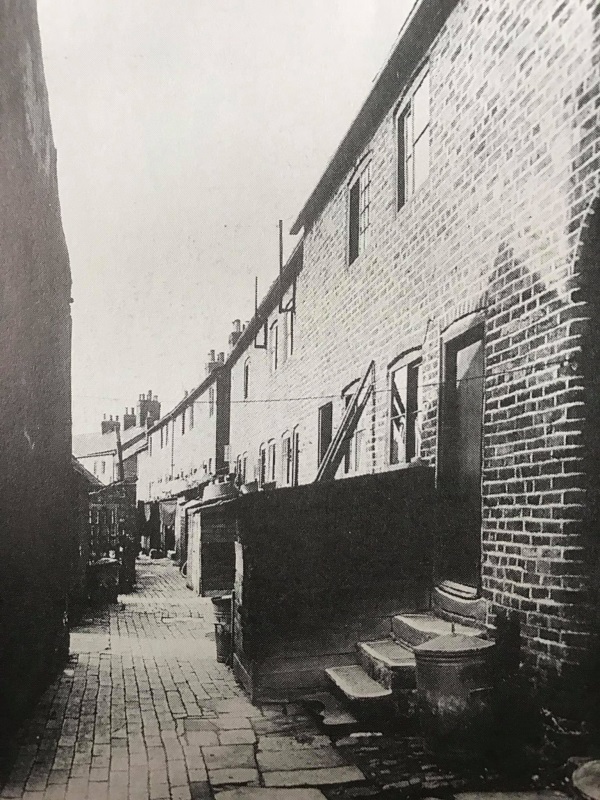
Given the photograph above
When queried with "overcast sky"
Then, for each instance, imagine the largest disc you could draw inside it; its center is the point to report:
(185, 129)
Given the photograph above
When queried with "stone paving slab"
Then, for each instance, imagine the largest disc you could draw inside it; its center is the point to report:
(537, 795)
(283, 760)
(300, 742)
(229, 756)
(226, 777)
(250, 793)
(313, 777)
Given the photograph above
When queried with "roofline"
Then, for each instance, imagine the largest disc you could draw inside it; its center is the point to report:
(280, 285)
(134, 439)
(85, 473)
(271, 299)
(416, 35)
(96, 453)
(188, 399)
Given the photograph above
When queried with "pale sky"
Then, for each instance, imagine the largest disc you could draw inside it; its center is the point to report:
(185, 129)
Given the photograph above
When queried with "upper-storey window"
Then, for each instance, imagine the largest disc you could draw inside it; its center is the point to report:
(413, 139)
(359, 212)
(191, 416)
(246, 378)
(211, 401)
(183, 422)
(274, 346)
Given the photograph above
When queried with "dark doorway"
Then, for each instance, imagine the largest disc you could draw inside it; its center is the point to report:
(325, 429)
(461, 441)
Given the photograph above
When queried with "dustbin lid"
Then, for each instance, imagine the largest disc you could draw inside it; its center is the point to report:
(221, 600)
(452, 644)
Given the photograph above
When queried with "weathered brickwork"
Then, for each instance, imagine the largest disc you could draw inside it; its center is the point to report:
(36, 547)
(498, 227)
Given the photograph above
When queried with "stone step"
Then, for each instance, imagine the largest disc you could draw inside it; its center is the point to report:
(414, 629)
(456, 603)
(389, 663)
(331, 712)
(356, 685)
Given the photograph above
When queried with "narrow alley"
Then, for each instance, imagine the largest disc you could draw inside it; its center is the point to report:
(143, 710)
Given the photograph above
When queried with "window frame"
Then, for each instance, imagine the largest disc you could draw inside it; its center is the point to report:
(295, 455)
(351, 461)
(359, 204)
(411, 361)
(262, 465)
(211, 401)
(246, 379)
(286, 459)
(274, 345)
(404, 192)
(271, 461)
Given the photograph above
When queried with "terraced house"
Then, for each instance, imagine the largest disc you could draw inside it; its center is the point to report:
(186, 448)
(440, 319)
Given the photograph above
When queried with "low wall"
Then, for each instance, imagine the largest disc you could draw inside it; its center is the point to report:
(321, 566)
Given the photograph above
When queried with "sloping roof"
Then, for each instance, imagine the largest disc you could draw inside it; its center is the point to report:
(416, 36)
(132, 436)
(132, 448)
(85, 473)
(280, 285)
(92, 444)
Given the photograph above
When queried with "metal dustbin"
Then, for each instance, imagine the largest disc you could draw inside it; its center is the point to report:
(222, 609)
(103, 577)
(454, 690)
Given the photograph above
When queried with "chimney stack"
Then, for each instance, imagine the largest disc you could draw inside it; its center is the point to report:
(128, 419)
(148, 411)
(109, 425)
(235, 333)
(213, 363)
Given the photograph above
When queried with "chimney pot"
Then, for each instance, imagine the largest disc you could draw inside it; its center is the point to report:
(221, 357)
(149, 394)
(117, 417)
(111, 417)
(211, 355)
(236, 325)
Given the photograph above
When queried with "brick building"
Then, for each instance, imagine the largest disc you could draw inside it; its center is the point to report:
(35, 424)
(116, 449)
(186, 448)
(448, 258)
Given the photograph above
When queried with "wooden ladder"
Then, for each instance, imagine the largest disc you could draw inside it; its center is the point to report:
(336, 450)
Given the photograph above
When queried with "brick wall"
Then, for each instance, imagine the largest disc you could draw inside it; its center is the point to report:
(496, 227)
(192, 454)
(37, 545)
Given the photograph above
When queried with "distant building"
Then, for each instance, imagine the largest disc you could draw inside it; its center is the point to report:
(186, 449)
(36, 548)
(114, 449)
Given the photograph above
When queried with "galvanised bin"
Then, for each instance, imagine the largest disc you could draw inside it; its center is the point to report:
(454, 689)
